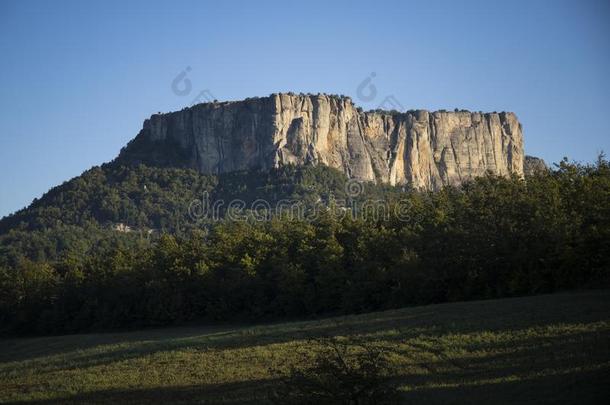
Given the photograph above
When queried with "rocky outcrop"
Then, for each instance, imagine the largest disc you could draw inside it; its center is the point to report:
(533, 165)
(424, 149)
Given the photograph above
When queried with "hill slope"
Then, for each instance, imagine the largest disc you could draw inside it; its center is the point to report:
(542, 349)
(84, 212)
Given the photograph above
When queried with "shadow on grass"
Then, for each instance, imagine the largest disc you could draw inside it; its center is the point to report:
(583, 387)
(251, 392)
(526, 357)
(590, 387)
(435, 320)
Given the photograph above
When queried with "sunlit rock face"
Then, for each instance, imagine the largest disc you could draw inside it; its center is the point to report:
(419, 148)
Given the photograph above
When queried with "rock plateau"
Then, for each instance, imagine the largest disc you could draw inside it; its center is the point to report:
(419, 148)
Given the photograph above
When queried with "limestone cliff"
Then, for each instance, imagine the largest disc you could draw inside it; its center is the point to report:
(420, 148)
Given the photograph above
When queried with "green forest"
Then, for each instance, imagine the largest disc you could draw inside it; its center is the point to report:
(65, 268)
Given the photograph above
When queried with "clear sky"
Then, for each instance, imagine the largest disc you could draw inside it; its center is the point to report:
(77, 79)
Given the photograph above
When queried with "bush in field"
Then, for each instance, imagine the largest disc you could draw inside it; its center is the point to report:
(338, 372)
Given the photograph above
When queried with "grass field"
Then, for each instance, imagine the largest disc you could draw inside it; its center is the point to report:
(543, 349)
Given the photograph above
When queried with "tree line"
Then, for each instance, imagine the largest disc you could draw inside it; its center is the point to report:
(492, 237)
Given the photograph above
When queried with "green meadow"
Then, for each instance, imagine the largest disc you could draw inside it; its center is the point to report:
(541, 349)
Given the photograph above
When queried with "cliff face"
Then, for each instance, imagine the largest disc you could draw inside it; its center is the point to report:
(420, 148)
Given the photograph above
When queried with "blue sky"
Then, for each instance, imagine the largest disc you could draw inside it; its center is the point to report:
(77, 79)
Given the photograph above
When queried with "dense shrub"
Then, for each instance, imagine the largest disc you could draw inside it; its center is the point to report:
(337, 371)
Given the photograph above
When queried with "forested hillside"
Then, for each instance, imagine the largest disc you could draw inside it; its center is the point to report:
(65, 268)
(87, 210)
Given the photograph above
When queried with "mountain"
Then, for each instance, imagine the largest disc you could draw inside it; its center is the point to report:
(283, 147)
(134, 242)
(425, 150)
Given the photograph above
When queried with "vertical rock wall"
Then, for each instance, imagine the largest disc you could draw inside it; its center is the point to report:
(424, 149)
